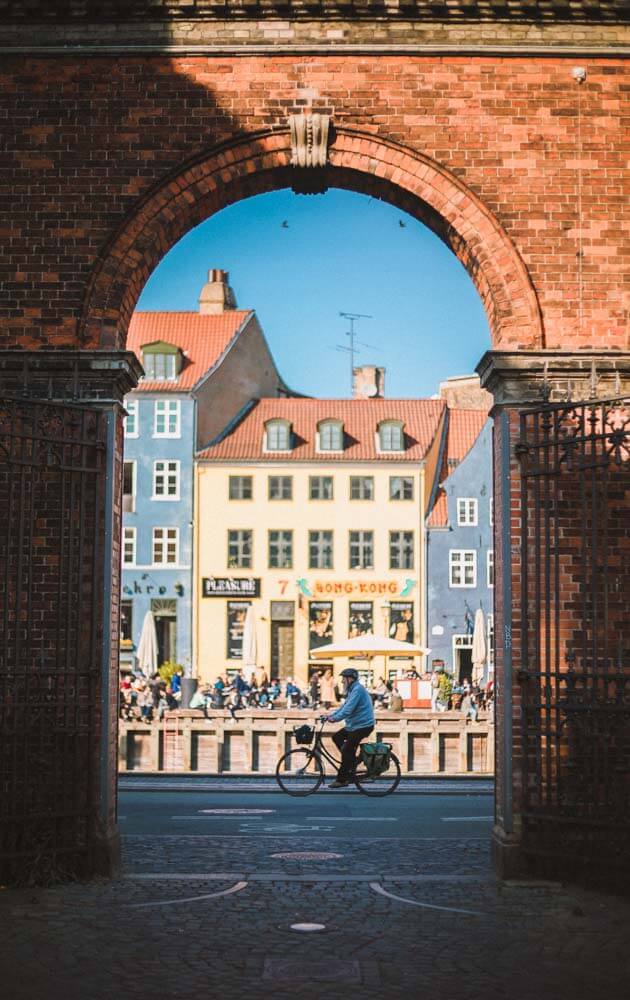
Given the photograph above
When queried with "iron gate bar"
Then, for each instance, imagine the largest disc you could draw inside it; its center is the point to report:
(575, 572)
(52, 475)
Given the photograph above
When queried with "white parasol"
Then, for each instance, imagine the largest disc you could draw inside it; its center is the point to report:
(478, 647)
(148, 646)
(368, 645)
(249, 644)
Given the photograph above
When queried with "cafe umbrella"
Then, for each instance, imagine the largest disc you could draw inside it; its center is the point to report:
(250, 650)
(478, 647)
(368, 645)
(148, 646)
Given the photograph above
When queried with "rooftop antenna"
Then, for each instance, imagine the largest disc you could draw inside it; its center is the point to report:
(352, 350)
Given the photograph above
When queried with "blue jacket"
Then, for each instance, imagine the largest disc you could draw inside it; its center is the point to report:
(357, 709)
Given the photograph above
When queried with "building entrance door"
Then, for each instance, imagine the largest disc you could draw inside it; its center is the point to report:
(165, 614)
(282, 649)
(462, 658)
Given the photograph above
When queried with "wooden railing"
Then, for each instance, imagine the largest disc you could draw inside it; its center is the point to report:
(425, 742)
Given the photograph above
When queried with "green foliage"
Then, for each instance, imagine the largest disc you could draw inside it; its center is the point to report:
(445, 688)
(167, 670)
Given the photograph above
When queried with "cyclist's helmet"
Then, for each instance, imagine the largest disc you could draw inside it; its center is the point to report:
(350, 673)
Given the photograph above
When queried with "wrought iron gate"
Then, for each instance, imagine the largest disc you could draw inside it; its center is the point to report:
(575, 594)
(52, 474)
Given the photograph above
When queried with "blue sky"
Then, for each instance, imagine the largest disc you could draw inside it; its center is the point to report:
(339, 252)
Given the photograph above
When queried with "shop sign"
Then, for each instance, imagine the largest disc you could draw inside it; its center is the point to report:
(230, 586)
(389, 588)
(320, 623)
(130, 589)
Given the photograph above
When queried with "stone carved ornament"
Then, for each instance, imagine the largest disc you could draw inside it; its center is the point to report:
(309, 140)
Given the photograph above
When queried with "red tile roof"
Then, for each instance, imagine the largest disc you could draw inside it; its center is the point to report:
(203, 339)
(464, 427)
(360, 418)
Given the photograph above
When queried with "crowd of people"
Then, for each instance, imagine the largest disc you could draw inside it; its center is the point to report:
(146, 699)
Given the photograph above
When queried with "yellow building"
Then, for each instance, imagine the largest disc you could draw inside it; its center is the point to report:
(312, 512)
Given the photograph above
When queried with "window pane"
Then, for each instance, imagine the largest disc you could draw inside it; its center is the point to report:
(280, 487)
(241, 487)
(280, 549)
(320, 549)
(330, 437)
(321, 488)
(240, 549)
(277, 436)
(401, 488)
(361, 487)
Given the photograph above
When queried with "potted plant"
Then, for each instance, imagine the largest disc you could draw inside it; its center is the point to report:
(445, 689)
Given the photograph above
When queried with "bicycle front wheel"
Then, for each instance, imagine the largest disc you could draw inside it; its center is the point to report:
(299, 772)
(383, 784)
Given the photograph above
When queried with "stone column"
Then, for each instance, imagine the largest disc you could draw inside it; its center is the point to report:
(61, 444)
(519, 381)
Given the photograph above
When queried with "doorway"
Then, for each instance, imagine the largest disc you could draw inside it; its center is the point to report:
(282, 639)
(165, 614)
(462, 658)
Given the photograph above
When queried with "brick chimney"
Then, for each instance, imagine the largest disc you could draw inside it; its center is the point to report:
(368, 382)
(216, 295)
(464, 392)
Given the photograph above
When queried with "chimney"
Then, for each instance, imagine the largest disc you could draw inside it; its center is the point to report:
(216, 295)
(368, 382)
(464, 392)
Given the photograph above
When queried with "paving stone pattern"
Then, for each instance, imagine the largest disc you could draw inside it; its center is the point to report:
(102, 941)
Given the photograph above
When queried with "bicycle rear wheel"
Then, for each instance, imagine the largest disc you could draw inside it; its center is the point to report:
(299, 772)
(383, 784)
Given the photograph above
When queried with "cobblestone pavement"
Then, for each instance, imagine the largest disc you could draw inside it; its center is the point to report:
(209, 917)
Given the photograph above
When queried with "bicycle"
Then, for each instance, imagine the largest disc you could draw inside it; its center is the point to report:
(300, 771)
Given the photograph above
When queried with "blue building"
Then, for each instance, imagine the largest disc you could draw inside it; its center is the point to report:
(200, 370)
(460, 555)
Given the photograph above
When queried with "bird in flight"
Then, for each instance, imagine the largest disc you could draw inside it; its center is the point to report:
(285, 224)
(403, 225)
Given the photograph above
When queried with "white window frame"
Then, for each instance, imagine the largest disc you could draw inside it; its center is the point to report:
(399, 547)
(168, 363)
(362, 480)
(277, 422)
(490, 567)
(166, 462)
(456, 556)
(318, 547)
(336, 425)
(403, 479)
(240, 543)
(241, 479)
(132, 407)
(467, 512)
(281, 480)
(129, 535)
(170, 406)
(311, 479)
(282, 545)
(364, 543)
(398, 424)
(165, 541)
(134, 485)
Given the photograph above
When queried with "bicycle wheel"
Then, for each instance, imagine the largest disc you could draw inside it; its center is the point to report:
(299, 772)
(384, 784)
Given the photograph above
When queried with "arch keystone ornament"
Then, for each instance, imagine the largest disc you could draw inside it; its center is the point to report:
(309, 140)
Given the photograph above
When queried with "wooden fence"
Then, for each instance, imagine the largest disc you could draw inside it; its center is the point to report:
(425, 742)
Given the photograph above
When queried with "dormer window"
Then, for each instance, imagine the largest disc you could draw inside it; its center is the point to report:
(391, 436)
(278, 435)
(161, 362)
(330, 435)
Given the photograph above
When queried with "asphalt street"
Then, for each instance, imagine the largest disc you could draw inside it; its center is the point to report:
(274, 814)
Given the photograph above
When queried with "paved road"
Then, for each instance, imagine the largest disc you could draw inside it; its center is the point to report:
(402, 887)
(266, 814)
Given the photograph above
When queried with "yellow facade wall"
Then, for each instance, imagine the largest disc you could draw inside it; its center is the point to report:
(380, 586)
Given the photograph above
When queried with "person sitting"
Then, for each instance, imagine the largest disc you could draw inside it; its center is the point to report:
(273, 691)
(358, 713)
(381, 694)
(292, 693)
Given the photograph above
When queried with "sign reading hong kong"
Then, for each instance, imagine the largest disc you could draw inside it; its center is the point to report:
(230, 586)
(392, 587)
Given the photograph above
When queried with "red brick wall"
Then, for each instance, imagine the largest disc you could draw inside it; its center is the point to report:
(109, 163)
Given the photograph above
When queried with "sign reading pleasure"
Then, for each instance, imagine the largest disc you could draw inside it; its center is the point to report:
(230, 586)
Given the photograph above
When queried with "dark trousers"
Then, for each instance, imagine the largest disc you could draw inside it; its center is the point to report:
(347, 743)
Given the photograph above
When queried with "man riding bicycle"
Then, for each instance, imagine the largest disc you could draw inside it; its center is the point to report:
(358, 712)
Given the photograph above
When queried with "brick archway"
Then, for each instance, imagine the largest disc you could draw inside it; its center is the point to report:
(358, 161)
